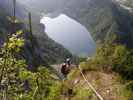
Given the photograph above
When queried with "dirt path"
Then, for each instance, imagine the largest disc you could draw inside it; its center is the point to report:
(105, 84)
(90, 85)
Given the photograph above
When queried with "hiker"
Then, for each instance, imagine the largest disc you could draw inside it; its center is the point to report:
(64, 69)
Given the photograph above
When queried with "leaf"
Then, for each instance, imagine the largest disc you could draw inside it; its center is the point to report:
(20, 32)
(25, 75)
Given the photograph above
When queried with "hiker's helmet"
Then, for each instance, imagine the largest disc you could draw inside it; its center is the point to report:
(68, 61)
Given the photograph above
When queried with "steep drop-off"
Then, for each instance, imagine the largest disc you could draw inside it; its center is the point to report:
(101, 17)
(45, 51)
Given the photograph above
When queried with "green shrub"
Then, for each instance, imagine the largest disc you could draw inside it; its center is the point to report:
(82, 93)
(14, 73)
(88, 66)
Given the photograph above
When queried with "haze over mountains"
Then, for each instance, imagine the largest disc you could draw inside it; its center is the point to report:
(54, 9)
(101, 17)
(71, 34)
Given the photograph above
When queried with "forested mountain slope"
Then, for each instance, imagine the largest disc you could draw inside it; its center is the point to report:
(101, 17)
(45, 51)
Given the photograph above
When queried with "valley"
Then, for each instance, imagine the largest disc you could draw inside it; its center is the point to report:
(66, 50)
(70, 34)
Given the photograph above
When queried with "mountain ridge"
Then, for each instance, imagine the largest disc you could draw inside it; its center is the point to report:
(101, 17)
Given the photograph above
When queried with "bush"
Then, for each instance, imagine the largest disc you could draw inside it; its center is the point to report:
(16, 81)
(111, 56)
(82, 93)
(88, 66)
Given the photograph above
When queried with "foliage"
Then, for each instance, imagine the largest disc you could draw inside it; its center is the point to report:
(10, 66)
(89, 65)
(112, 56)
(82, 93)
(18, 83)
(54, 92)
(82, 59)
(127, 93)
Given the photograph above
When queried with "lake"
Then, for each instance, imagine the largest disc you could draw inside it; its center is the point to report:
(70, 33)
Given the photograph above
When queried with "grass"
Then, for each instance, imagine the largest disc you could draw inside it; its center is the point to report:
(88, 66)
(82, 93)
